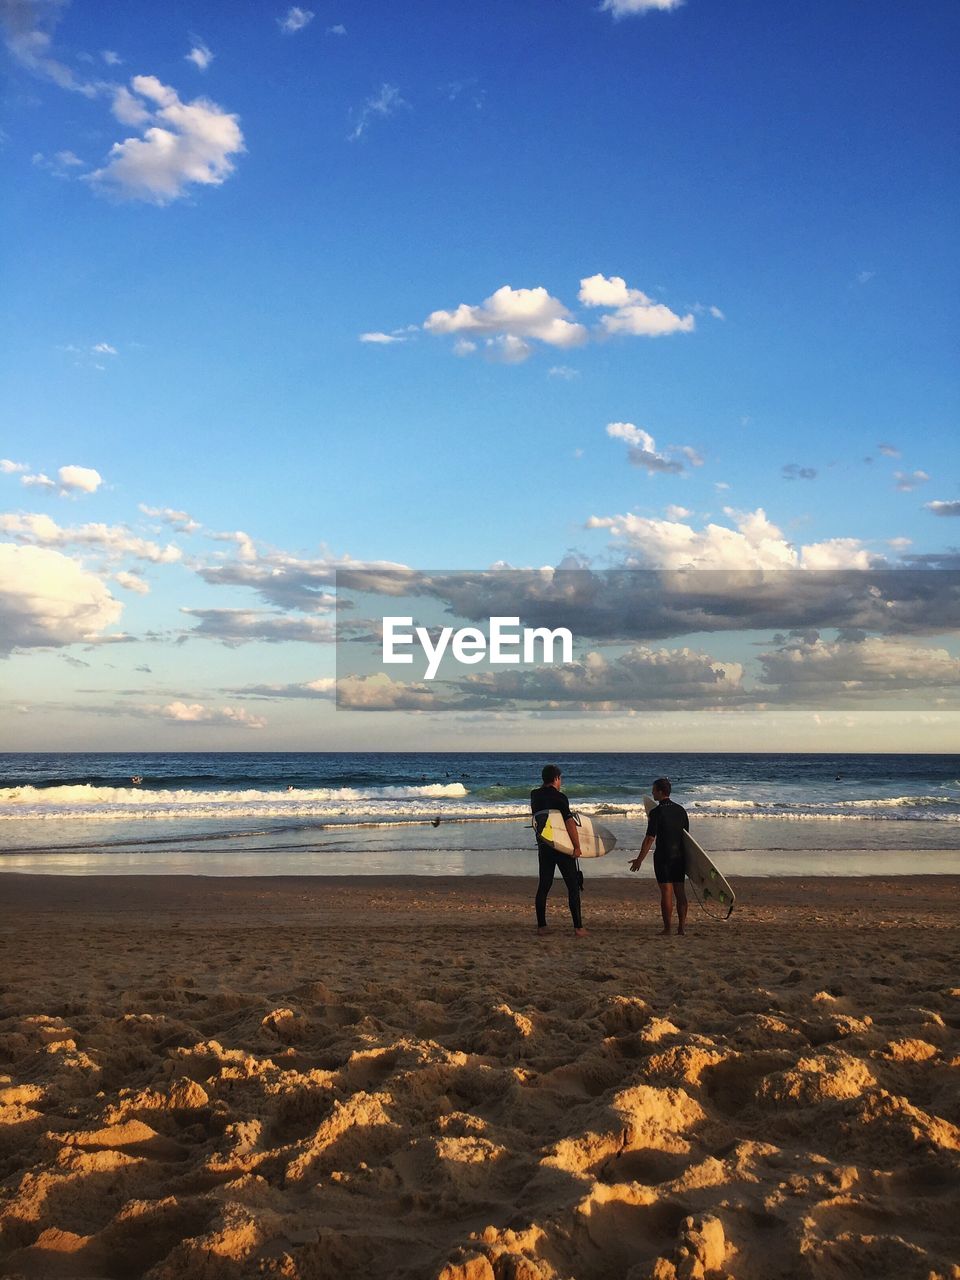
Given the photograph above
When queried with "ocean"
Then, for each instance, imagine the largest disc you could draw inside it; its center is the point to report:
(335, 813)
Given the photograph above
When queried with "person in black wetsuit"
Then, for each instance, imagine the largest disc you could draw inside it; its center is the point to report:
(549, 796)
(665, 828)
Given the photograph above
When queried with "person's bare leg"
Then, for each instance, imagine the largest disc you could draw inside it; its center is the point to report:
(666, 906)
(680, 893)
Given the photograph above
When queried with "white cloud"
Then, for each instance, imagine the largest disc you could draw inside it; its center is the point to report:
(294, 20)
(104, 349)
(111, 540)
(48, 599)
(382, 339)
(633, 311)
(380, 693)
(39, 481)
(837, 553)
(508, 348)
(609, 291)
(875, 665)
(907, 481)
(508, 323)
(283, 580)
(197, 713)
(716, 313)
(111, 58)
(181, 520)
(338, 30)
(234, 627)
(678, 513)
(60, 165)
(889, 450)
(127, 108)
(754, 543)
(323, 687)
(629, 8)
(563, 371)
(186, 143)
(511, 316)
(29, 26)
(382, 104)
(246, 547)
(200, 56)
(9, 468)
(132, 582)
(944, 508)
(643, 449)
(79, 479)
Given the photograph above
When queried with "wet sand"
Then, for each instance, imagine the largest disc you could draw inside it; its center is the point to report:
(377, 1077)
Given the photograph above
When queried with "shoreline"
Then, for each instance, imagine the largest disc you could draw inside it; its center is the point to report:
(209, 1078)
(606, 887)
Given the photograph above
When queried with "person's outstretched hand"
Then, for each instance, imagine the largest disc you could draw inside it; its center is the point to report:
(636, 863)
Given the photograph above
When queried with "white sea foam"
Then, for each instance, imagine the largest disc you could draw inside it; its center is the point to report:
(449, 801)
(87, 801)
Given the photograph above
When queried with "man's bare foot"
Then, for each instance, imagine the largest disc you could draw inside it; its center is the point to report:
(680, 930)
(580, 933)
(665, 931)
(542, 929)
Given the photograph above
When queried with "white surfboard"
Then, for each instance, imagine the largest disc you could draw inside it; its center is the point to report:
(701, 872)
(595, 840)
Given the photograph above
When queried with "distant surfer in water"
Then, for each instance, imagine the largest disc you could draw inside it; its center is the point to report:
(665, 828)
(549, 796)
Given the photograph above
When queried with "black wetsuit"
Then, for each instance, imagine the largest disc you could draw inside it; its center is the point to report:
(550, 798)
(667, 823)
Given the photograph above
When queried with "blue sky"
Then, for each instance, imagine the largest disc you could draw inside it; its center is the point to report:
(740, 218)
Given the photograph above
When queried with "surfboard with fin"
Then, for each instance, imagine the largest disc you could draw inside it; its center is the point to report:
(595, 840)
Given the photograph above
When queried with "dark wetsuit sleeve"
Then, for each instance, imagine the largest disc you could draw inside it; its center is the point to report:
(652, 817)
(563, 804)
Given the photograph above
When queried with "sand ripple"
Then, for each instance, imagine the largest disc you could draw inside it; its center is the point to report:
(269, 1091)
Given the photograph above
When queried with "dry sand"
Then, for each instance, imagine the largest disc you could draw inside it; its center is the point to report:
(207, 1078)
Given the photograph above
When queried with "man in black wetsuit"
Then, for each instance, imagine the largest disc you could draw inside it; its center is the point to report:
(665, 828)
(549, 796)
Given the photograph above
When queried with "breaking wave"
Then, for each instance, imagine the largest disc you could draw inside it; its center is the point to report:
(448, 801)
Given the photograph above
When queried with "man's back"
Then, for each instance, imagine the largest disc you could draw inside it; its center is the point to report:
(667, 823)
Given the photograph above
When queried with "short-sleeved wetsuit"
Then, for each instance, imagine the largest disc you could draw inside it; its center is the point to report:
(667, 823)
(550, 859)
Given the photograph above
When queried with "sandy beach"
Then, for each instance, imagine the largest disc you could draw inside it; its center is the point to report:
(315, 1077)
